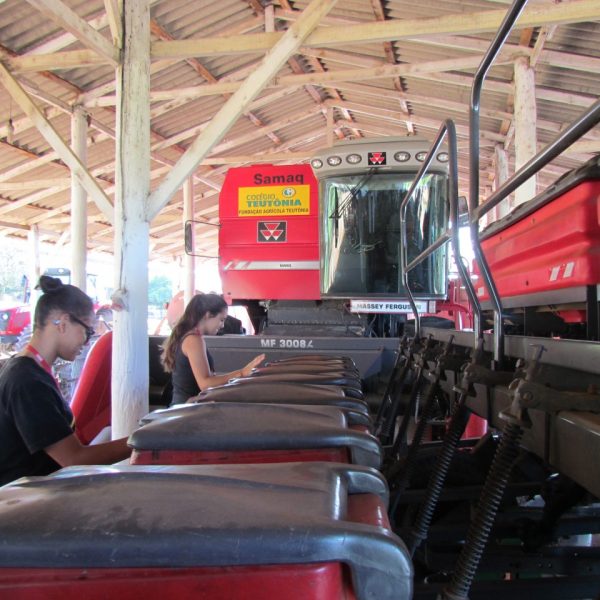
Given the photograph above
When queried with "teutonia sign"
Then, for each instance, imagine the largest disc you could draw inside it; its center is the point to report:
(273, 200)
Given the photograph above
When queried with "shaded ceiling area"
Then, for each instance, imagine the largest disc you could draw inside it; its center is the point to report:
(372, 68)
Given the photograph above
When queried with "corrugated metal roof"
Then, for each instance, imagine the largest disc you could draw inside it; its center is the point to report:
(433, 84)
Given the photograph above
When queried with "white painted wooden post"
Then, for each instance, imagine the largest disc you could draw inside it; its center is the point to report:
(501, 175)
(130, 370)
(33, 237)
(525, 125)
(189, 260)
(79, 201)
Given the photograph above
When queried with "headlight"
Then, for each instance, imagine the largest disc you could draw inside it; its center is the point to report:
(402, 156)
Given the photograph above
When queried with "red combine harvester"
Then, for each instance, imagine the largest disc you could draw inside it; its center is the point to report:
(316, 260)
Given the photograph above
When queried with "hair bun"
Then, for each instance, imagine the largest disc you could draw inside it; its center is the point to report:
(49, 284)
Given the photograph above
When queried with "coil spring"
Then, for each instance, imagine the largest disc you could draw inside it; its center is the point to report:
(485, 514)
(458, 422)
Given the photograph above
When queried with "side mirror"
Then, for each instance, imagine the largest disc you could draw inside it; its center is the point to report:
(189, 236)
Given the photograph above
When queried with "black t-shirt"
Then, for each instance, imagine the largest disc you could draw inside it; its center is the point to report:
(33, 416)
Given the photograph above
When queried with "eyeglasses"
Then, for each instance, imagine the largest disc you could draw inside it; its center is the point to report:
(89, 331)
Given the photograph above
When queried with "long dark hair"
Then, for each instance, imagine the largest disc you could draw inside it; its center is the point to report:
(64, 297)
(198, 307)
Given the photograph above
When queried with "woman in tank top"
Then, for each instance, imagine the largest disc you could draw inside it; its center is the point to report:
(185, 355)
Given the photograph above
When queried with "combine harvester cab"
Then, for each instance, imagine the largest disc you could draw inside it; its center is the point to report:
(314, 252)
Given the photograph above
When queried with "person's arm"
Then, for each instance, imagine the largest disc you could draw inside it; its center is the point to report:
(194, 348)
(70, 451)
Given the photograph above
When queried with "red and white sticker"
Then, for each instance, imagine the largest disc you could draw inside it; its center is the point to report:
(563, 271)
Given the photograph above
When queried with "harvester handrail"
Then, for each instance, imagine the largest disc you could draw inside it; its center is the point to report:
(477, 210)
(473, 201)
(451, 234)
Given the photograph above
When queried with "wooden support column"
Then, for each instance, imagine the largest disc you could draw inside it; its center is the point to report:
(130, 371)
(79, 202)
(501, 175)
(189, 288)
(34, 268)
(525, 125)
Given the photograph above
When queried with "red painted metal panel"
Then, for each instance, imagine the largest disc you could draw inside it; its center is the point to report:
(91, 404)
(555, 247)
(300, 582)
(318, 581)
(201, 457)
(269, 233)
(14, 320)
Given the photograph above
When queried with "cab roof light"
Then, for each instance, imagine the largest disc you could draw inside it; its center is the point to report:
(334, 161)
(402, 156)
(353, 159)
(316, 163)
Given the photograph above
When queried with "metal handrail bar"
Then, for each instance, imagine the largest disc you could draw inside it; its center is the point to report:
(586, 121)
(447, 128)
(443, 239)
(473, 200)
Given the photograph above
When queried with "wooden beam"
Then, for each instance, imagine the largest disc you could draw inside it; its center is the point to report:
(58, 60)
(114, 17)
(53, 138)
(383, 71)
(61, 41)
(33, 184)
(238, 103)
(69, 20)
(235, 159)
(197, 66)
(577, 11)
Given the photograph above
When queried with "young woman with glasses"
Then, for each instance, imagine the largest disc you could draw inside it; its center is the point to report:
(37, 432)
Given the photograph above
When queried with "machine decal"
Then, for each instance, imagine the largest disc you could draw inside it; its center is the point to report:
(377, 158)
(273, 200)
(272, 231)
(375, 306)
(271, 265)
(288, 343)
(568, 271)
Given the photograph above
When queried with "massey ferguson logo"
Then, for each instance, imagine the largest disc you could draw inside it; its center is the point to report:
(272, 231)
(376, 158)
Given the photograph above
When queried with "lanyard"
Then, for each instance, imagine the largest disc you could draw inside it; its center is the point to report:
(40, 360)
